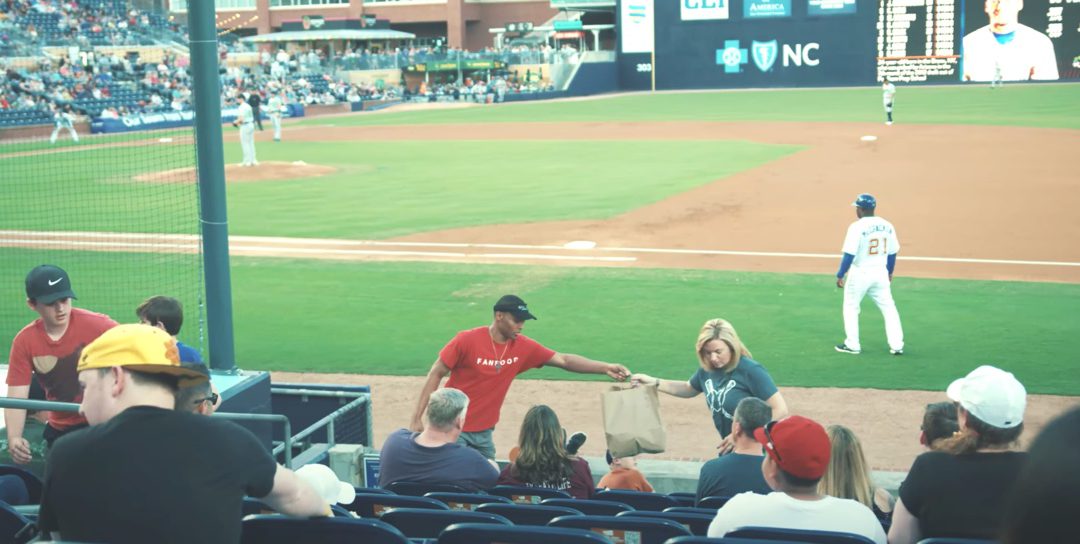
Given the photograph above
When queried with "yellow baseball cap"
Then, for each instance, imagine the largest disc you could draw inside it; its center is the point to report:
(141, 348)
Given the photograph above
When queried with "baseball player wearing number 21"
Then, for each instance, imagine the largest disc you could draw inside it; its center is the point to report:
(870, 249)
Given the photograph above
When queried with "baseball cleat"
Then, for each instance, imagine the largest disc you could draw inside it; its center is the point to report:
(842, 348)
(896, 352)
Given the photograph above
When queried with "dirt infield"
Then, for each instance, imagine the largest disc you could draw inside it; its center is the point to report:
(887, 422)
(235, 173)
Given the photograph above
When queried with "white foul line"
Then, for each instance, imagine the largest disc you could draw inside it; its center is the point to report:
(277, 243)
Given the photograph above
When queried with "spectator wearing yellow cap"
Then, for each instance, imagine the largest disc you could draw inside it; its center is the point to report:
(144, 472)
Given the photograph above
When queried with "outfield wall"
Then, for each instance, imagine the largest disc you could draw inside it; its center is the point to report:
(704, 44)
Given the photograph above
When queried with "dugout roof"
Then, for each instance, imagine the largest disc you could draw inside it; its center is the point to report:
(327, 35)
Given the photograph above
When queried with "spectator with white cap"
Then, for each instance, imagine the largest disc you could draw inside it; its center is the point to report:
(960, 490)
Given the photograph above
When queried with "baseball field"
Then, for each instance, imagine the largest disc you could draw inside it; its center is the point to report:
(364, 242)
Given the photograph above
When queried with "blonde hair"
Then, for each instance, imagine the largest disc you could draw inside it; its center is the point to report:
(719, 329)
(848, 474)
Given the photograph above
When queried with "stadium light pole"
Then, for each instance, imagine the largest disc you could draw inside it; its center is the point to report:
(203, 46)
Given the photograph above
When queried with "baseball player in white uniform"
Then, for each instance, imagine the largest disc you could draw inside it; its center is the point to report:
(63, 119)
(888, 92)
(1018, 52)
(245, 120)
(276, 106)
(870, 249)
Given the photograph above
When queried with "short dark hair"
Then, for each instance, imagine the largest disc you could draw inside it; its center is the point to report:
(168, 381)
(186, 397)
(161, 309)
(752, 413)
(939, 421)
(788, 479)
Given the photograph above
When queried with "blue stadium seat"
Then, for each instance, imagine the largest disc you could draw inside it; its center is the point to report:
(685, 499)
(715, 503)
(725, 540)
(956, 541)
(373, 505)
(13, 523)
(591, 507)
(640, 500)
(692, 510)
(375, 490)
(275, 529)
(423, 523)
(799, 535)
(528, 514)
(697, 523)
(466, 501)
(419, 489)
(527, 495)
(645, 531)
(469, 533)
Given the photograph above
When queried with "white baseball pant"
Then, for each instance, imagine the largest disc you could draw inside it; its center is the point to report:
(247, 144)
(859, 284)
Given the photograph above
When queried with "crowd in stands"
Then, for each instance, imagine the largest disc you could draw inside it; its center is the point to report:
(84, 23)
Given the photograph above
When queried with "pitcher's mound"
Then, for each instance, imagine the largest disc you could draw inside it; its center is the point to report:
(234, 173)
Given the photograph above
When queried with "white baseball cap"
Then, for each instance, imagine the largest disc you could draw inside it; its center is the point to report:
(326, 484)
(994, 396)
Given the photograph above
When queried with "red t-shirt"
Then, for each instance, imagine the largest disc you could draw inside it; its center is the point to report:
(54, 362)
(483, 370)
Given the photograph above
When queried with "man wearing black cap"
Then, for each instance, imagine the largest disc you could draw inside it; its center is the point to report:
(483, 361)
(49, 347)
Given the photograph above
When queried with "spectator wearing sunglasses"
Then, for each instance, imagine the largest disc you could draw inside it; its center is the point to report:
(200, 398)
(797, 454)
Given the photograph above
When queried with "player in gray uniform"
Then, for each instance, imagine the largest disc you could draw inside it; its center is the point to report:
(63, 118)
(888, 91)
(245, 120)
(276, 106)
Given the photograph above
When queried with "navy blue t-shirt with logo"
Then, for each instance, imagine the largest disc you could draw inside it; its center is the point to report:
(724, 390)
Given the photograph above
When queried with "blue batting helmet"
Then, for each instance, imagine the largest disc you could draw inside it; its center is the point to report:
(865, 201)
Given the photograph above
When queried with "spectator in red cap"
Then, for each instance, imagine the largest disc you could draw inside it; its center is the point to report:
(960, 490)
(796, 456)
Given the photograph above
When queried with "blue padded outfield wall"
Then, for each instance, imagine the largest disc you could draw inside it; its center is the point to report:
(697, 44)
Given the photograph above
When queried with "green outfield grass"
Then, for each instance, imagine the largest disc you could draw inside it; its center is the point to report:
(382, 189)
(1051, 106)
(392, 318)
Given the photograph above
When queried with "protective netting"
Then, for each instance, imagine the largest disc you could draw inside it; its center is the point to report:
(118, 212)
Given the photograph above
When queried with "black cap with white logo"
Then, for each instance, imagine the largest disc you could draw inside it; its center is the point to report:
(515, 306)
(47, 284)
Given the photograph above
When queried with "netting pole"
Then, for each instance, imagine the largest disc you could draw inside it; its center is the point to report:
(211, 172)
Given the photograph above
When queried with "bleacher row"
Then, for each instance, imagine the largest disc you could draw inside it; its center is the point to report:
(425, 513)
(418, 513)
(22, 118)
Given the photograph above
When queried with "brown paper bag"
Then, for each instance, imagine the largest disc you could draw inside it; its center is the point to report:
(632, 421)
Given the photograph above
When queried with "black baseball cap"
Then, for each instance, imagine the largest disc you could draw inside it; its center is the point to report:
(48, 283)
(513, 304)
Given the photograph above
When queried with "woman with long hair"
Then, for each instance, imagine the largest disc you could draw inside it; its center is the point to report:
(848, 475)
(543, 460)
(960, 490)
(726, 375)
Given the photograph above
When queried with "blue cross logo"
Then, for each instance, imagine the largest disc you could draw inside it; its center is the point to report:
(732, 57)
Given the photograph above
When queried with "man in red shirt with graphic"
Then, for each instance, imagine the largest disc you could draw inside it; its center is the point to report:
(49, 347)
(483, 361)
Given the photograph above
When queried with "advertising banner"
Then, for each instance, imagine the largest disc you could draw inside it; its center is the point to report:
(756, 9)
(637, 20)
(830, 7)
(704, 10)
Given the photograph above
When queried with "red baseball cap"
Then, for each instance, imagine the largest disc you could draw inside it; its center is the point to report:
(798, 445)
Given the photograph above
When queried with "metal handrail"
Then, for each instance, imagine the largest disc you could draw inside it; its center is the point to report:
(53, 406)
